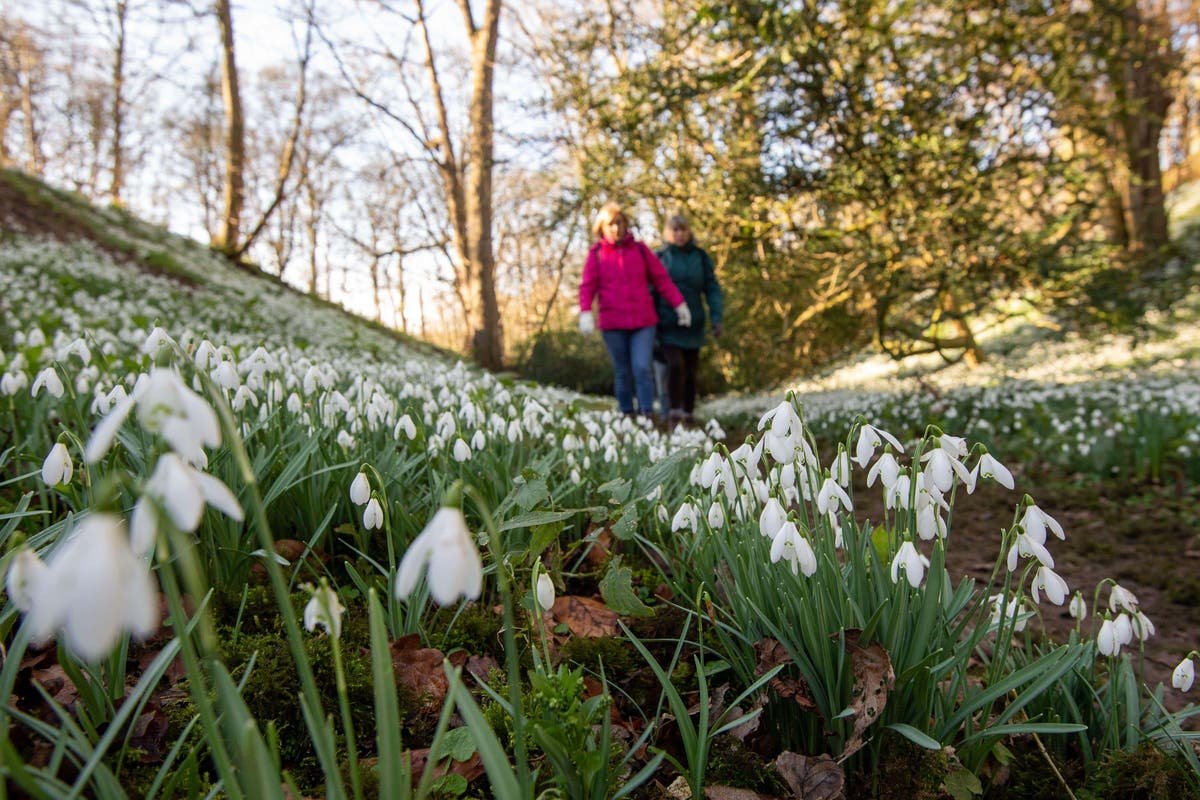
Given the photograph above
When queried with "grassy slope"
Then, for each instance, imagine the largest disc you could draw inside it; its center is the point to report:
(31, 207)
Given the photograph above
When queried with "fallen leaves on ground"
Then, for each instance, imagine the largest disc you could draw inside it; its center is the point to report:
(419, 669)
(771, 653)
(585, 617)
(811, 777)
(873, 679)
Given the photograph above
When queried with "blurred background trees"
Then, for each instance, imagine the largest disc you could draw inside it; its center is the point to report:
(904, 173)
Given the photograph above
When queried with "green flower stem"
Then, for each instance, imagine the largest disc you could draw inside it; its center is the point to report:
(520, 751)
(197, 685)
(347, 721)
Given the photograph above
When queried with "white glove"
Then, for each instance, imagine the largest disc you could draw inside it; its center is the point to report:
(586, 323)
(684, 315)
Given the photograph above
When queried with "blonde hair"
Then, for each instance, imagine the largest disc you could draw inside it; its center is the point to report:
(677, 221)
(609, 212)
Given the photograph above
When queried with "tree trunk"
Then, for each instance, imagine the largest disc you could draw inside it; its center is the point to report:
(233, 194)
(117, 185)
(1143, 82)
(489, 341)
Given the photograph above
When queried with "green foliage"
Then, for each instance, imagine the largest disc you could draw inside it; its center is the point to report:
(569, 359)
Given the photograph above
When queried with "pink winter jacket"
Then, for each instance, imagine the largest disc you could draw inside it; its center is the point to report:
(621, 275)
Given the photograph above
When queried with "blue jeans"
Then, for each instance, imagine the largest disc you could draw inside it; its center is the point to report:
(632, 352)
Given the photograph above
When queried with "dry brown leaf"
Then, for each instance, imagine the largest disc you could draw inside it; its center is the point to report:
(585, 617)
(873, 679)
(55, 681)
(770, 655)
(470, 769)
(601, 540)
(731, 793)
(811, 777)
(420, 670)
(481, 666)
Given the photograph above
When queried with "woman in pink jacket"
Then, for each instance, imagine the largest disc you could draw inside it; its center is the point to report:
(619, 272)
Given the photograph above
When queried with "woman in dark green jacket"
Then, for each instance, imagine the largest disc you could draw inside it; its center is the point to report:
(691, 270)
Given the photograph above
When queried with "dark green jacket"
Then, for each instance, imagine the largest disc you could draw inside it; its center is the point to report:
(691, 270)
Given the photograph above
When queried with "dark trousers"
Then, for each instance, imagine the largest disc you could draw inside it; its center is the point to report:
(682, 363)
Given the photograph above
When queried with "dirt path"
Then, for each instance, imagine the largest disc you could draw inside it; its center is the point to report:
(1147, 537)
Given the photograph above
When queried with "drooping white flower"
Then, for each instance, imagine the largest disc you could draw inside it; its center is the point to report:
(545, 592)
(455, 568)
(772, 518)
(462, 451)
(182, 491)
(1121, 599)
(956, 446)
(49, 379)
(1078, 607)
(1012, 610)
(839, 470)
(1036, 522)
(478, 441)
(716, 516)
(360, 489)
(989, 467)
(226, 376)
(166, 407)
(1184, 675)
(94, 589)
(345, 440)
(913, 564)
(789, 545)
(373, 515)
(1124, 628)
(887, 469)
(1142, 627)
(687, 517)
(869, 438)
(57, 467)
(831, 495)
(1027, 546)
(930, 524)
(157, 340)
(325, 609)
(941, 467)
(25, 574)
(406, 425)
(1049, 581)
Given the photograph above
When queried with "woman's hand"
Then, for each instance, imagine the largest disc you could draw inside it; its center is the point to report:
(586, 323)
(684, 315)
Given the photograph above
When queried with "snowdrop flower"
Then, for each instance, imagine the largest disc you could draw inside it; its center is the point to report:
(1184, 675)
(360, 489)
(897, 495)
(1011, 610)
(1027, 546)
(687, 517)
(182, 491)
(941, 467)
(11, 383)
(1143, 628)
(912, 562)
(1122, 599)
(324, 609)
(886, 469)
(1078, 607)
(478, 441)
(1049, 581)
(1036, 522)
(462, 451)
(157, 340)
(57, 468)
(1124, 629)
(545, 592)
(716, 516)
(50, 380)
(93, 589)
(789, 545)
(956, 446)
(839, 470)
(869, 438)
(226, 376)
(167, 407)
(772, 518)
(79, 348)
(25, 574)
(988, 467)
(831, 495)
(455, 568)
(406, 425)
(930, 524)
(345, 440)
(373, 515)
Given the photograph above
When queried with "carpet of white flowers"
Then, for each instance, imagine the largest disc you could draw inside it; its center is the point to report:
(167, 433)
